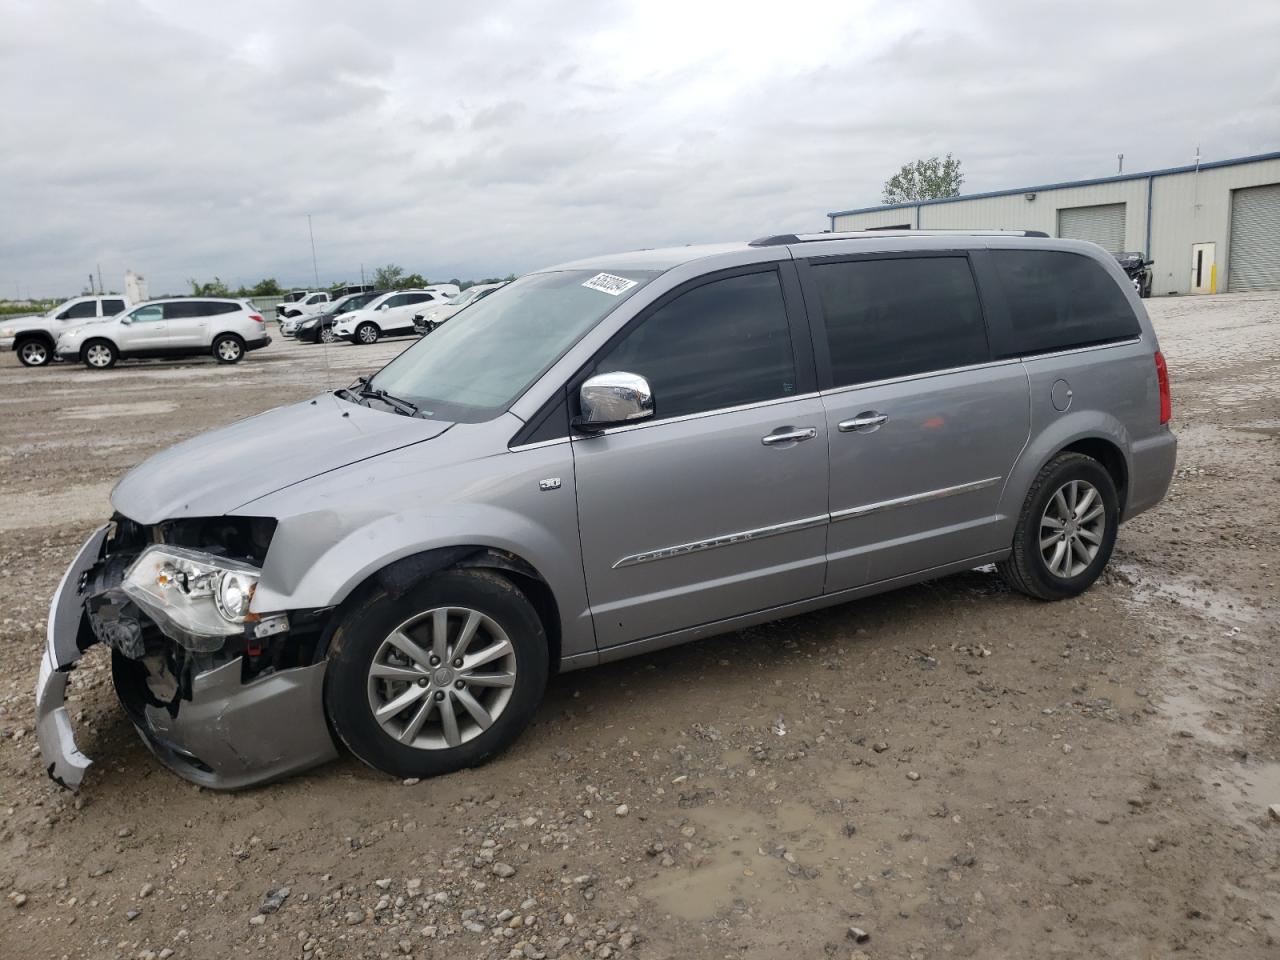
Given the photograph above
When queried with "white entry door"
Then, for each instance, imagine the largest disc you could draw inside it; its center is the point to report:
(1204, 272)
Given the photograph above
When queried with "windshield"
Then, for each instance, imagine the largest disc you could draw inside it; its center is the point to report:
(462, 297)
(473, 367)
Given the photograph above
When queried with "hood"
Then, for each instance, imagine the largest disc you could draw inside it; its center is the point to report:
(27, 321)
(216, 472)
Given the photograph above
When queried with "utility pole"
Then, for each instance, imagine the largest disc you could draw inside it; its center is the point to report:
(91, 282)
(100, 289)
(313, 251)
(1120, 158)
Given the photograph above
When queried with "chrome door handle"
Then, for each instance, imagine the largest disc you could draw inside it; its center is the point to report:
(862, 421)
(789, 436)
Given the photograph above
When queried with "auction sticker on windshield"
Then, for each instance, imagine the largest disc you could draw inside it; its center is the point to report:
(608, 283)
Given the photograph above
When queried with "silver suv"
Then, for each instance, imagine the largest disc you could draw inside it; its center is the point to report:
(178, 327)
(607, 458)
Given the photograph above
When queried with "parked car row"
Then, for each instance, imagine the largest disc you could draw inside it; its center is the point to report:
(98, 331)
(367, 317)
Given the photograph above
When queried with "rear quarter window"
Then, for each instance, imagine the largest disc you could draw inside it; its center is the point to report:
(1060, 301)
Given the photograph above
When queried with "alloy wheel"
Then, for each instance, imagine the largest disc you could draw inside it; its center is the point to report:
(441, 678)
(368, 334)
(327, 335)
(98, 355)
(34, 353)
(228, 350)
(1072, 528)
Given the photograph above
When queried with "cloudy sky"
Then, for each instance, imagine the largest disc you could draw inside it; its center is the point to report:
(187, 139)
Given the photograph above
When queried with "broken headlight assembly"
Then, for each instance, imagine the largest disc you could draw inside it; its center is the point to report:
(196, 598)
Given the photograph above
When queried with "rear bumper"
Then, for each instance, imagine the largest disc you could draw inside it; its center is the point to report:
(257, 344)
(1151, 465)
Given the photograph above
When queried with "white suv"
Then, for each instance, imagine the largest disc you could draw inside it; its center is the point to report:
(181, 327)
(391, 315)
(34, 338)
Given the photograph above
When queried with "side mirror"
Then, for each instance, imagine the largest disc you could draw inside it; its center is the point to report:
(383, 307)
(126, 320)
(613, 399)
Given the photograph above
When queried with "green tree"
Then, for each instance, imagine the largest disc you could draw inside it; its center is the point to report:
(929, 179)
(267, 287)
(388, 277)
(412, 280)
(214, 288)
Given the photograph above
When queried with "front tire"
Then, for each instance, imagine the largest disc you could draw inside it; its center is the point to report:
(367, 333)
(1066, 531)
(34, 353)
(228, 348)
(99, 354)
(327, 335)
(440, 677)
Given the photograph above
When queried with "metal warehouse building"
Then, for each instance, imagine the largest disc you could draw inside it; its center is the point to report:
(1210, 227)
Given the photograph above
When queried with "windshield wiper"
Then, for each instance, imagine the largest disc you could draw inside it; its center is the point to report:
(406, 407)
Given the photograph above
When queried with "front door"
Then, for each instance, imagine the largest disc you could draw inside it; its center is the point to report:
(924, 429)
(146, 331)
(1204, 272)
(717, 506)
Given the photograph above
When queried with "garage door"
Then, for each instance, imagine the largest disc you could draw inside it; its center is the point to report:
(1254, 255)
(1103, 225)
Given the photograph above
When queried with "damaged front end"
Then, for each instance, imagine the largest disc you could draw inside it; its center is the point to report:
(224, 696)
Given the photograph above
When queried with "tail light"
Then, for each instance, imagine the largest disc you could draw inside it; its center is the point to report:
(257, 318)
(1162, 377)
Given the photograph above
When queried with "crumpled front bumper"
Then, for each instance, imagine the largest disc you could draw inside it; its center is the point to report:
(63, 760)
(230, 734)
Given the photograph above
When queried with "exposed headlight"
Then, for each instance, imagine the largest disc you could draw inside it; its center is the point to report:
(9, 332)
(197, 599)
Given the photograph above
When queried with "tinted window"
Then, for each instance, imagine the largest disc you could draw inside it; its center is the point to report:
(111, 307)
(399, 300)
(213, 309)
(419, 298)
(722, 344)
(894, 318)
(184, 309)
(78, 311)
(1061, 300)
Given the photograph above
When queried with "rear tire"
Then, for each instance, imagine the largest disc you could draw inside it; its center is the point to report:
(1066, 530)
(367, 672)
(228, 348)
(99, 354)
(34, 352)
(367, 333)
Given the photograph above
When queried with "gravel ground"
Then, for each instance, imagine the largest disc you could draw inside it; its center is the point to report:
(950, 769)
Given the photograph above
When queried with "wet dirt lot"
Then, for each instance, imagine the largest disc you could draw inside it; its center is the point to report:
(950, 769)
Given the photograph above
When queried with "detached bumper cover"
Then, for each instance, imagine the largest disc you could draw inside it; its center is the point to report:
(62, 759)
(232, 734)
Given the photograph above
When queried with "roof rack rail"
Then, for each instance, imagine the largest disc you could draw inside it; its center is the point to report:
(785, 239)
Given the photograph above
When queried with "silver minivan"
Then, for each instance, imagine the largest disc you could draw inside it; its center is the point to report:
(606, 458)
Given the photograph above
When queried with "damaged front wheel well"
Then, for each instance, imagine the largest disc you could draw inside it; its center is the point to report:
(401, 575)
